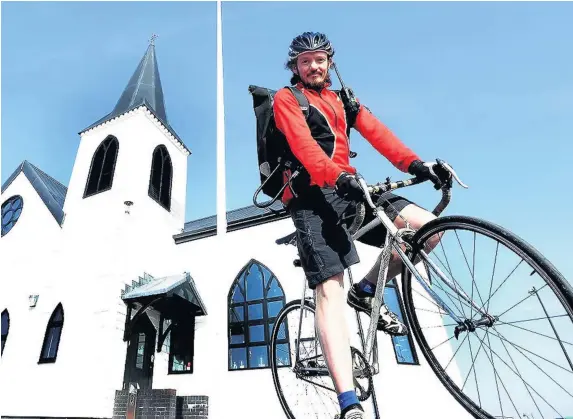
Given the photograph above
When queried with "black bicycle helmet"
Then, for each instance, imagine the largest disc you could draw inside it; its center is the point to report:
(309, 41)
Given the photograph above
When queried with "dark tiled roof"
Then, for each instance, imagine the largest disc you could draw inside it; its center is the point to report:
(143, 88)
(52, 192)
(236, 220)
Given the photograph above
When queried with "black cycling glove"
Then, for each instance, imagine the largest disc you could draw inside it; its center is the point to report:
(347, 187)
(429, 170)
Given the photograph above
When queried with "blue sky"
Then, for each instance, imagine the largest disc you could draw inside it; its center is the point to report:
(486, 86)
(65, 64)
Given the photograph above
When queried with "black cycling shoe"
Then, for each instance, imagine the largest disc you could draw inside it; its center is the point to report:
(387, 321)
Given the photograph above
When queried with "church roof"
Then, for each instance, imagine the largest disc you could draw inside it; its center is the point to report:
(143, 88)
(52, 192)
(236, 219)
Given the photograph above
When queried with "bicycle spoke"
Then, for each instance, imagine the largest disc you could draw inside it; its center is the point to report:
(435, 327)
(525, 383)
(447, 340)
(451, 359)
(433, 302)
(314, 383)
(451, 274)
(500, 285)
(553, 327)
(537, 366)
(473, 368)
(430, 311)
(492, 276)
(501, 337)
(515, 305)
(532, 331)
(427, 299)
(495, 376)
(532, 320)
(468, 265)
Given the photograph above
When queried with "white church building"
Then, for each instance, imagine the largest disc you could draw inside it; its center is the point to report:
(114, 305)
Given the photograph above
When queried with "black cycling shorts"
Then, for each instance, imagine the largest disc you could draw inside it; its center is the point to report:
(321, 219)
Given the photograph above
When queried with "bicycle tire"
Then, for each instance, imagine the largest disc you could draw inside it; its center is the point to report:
(294, 304)
(291, 306)
(552, 276)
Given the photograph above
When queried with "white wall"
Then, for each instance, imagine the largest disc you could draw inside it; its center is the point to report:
(100, 248)
(214, 263)
(138, 136)
(91, 356)
(36, 234)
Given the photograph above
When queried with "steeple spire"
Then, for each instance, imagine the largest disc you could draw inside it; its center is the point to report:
(144, 84)
(143, 88)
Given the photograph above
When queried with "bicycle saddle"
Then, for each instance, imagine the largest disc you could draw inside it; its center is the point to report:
(288, 239)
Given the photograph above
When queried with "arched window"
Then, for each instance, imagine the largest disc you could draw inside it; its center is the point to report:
(5, 328)
(52, 336)
(254, 301)
(161, 176)
(100, 177)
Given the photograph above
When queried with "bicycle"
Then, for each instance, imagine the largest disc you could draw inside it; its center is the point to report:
(469, 315)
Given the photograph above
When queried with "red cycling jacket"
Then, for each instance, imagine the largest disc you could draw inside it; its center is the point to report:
(321, 143)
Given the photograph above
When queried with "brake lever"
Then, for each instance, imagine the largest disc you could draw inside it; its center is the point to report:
(365, 188)
(449, 168)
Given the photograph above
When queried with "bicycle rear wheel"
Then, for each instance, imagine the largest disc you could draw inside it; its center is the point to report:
(304, 387)
(535, 350)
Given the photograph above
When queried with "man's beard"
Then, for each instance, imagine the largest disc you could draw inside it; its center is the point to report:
(318, 84)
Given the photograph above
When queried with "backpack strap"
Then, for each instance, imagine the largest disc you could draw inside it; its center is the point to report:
(302, 100)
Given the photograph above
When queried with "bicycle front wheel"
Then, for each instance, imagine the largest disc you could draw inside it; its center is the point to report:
(497, 333)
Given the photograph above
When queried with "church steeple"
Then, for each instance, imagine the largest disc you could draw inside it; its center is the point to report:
(144, 85)
(143, 88)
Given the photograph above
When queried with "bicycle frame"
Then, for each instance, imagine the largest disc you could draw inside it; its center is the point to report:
(393, 240)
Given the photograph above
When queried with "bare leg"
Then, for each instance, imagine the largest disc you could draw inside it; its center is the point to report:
(333, 333)
(417, 217)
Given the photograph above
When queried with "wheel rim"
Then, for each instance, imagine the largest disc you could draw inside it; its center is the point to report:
(302, 394)
(523, 396)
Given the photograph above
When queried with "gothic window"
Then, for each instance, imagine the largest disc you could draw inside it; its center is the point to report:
(11, 210)
(161, 177)
(5, 328)
(254, 301)
(403, 345)
(52, 336)
(100, 177)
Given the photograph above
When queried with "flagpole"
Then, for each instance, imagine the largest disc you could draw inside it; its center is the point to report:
(221, 201)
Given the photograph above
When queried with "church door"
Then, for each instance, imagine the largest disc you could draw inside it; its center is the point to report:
(140, 355)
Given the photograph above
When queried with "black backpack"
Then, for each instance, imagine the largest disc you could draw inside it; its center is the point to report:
(273, 152)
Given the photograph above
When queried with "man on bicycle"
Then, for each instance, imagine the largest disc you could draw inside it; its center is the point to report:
(328, 191)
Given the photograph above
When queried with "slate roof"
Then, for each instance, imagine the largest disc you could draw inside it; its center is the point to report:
(236, 220)
(143, 88)
(52, 192)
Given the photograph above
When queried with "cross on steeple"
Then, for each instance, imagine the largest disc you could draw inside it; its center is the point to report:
(152, 40)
